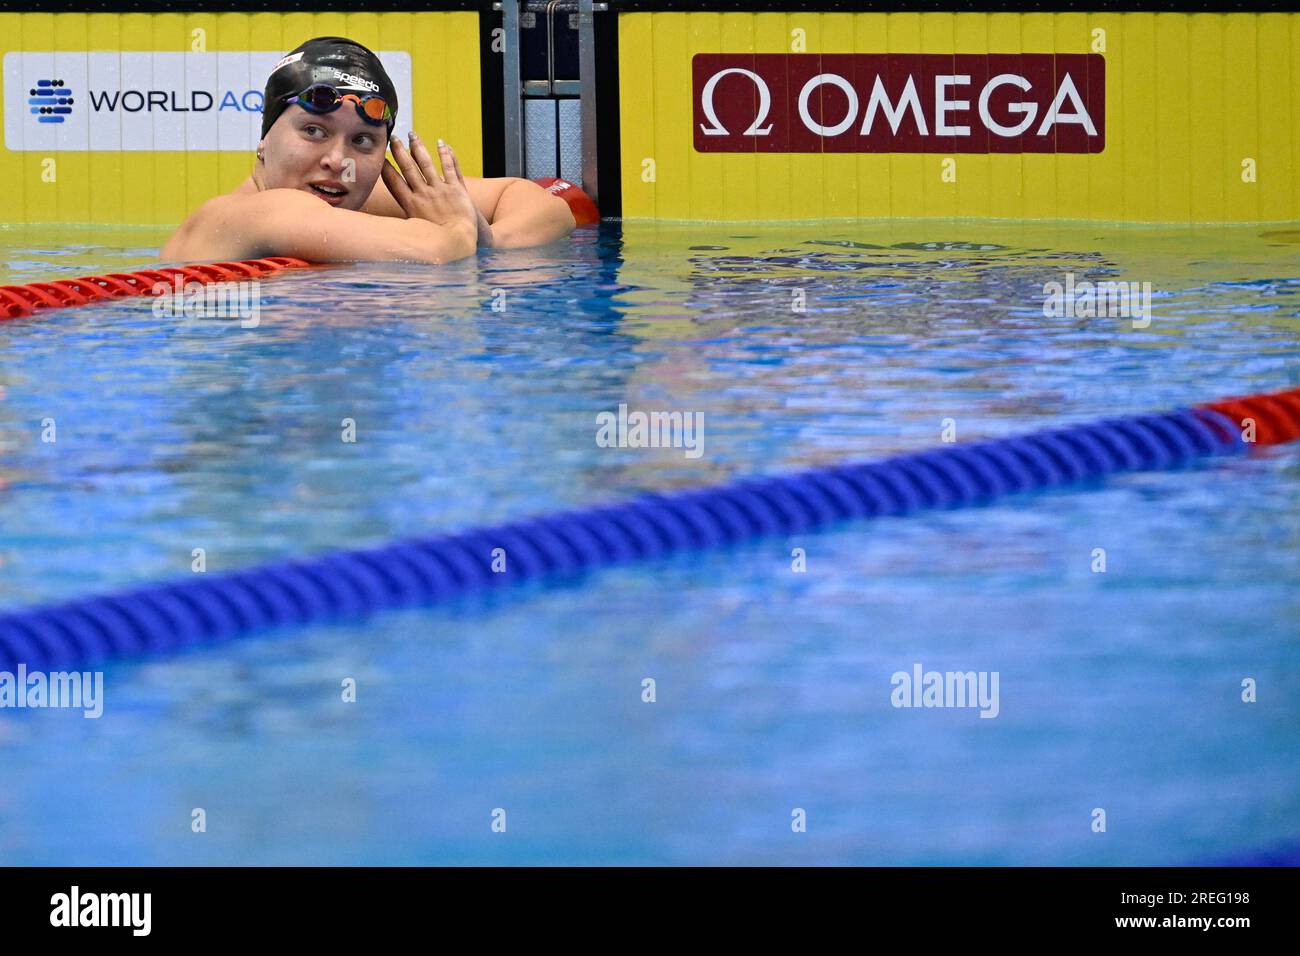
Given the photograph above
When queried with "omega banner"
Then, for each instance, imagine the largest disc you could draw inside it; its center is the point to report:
(148, 101)
(899, 103)
(810, 115)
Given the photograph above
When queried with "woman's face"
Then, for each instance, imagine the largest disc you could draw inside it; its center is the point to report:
(338, 151)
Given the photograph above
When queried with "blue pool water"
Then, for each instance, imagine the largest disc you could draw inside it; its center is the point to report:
(1118, 690)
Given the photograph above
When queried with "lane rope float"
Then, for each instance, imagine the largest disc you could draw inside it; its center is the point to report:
(21, 301)
(176, 615)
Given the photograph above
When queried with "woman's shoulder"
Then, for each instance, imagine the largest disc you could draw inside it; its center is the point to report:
(187, 242)
(224, 227)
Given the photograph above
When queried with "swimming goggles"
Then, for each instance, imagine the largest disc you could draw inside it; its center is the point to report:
(323, 98)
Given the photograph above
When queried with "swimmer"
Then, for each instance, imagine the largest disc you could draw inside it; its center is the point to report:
(322, 190)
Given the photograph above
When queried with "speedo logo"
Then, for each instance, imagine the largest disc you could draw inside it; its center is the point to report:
(355, 80)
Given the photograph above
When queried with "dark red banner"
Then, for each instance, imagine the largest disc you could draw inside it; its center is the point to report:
(899, 103)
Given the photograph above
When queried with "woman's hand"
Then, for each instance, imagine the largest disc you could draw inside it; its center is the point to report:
(423, 193)
(485, 240)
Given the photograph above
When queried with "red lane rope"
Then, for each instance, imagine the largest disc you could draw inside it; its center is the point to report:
(1275, 417)
(21, 301)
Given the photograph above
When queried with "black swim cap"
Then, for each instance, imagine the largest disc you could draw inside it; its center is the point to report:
(340, 62)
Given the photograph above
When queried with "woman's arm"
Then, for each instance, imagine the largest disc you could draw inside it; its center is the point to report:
(517, 212)
(528, 215)
(289, 222)
(438, 224)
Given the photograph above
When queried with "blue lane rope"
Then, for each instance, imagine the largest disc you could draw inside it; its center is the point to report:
(1286, 854)
(173, 616)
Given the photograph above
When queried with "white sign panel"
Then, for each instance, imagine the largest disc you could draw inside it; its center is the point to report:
(141, 102)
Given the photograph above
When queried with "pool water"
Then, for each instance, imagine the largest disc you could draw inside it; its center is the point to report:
(473, 391)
